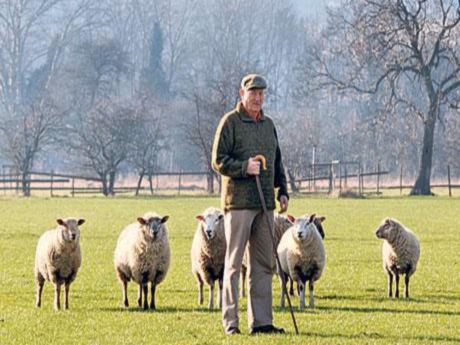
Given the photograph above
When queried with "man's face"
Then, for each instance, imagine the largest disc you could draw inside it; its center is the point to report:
(252, 99)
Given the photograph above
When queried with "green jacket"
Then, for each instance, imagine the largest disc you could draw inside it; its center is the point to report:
(238, 138)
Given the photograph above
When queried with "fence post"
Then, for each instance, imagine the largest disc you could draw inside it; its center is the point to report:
(331, 182)
(448, 180)
(51, 183)
(378, 178)
(340, 178)
(400, 180)
(178, 187)
(73, 187)
(359, 178)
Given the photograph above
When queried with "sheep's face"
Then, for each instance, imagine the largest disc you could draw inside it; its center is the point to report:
(209, 223)
(303, 227)
(387, 229)
(153, 225)
(69, 229)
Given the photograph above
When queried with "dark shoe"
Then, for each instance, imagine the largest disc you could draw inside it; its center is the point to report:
(270, 329)
(233, 330)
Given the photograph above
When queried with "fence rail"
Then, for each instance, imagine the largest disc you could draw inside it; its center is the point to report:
(362, 182)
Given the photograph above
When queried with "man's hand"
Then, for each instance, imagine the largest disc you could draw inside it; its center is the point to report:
(284, 203)
(253, 167)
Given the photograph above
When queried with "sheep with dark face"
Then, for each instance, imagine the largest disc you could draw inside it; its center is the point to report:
(302, 257)
(208, 253)
(57, 259)
(143, 255)
(400, 253)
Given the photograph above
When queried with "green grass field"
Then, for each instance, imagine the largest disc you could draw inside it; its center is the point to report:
(351, 307)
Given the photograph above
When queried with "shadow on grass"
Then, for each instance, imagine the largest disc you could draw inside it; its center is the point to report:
(391, 339)
(161, 310)
(389, 310)
(432, 299)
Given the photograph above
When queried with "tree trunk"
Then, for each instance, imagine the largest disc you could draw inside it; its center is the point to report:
(112, 183)
(151, 183)
(210, 180)
(25, 184)
(105, 189)
(294, 188)
(139, 182)
(422, 184)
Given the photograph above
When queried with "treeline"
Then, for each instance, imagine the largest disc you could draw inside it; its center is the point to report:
(139, 86)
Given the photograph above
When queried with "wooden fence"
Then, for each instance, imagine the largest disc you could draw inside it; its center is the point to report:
(336, 178)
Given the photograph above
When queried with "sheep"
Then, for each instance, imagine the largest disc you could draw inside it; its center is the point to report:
(143, 255)
(57, 259)
(302, 257)
(208, 253)
(400, 253)
(281, 224)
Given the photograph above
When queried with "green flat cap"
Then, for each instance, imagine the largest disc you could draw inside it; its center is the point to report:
(253, 81)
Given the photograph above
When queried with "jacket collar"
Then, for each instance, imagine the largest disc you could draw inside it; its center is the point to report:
(244, 115)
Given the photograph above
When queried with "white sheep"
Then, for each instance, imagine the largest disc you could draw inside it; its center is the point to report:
(400, 253)
(57, 259)
(281, 224)
(302, 257)
(208, 253)
(143, 255)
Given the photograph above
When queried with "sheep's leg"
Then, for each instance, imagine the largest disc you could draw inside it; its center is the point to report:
(200, 289)
(145, 289)
(397, 285)
(139, 296)
(390, 284)
(152, 296)
(124, 290)
(39, 283)
(243, 281)
(211, 296)
(406, 286)
(219, 296)
(301, 287)
(57, 296)
(291, 287)
(66, 296)
(310, 286)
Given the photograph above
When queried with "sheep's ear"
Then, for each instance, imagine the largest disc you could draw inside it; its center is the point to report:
(321, 218)
(61, 222)
(312, 217)
(80, 221)
(164, 219)
(291, 218)
(199, 217)
(141, 221)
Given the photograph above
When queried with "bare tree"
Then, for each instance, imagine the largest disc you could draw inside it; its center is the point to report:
(102, 138)
(147, 142)
(402, 48)
(31, 107)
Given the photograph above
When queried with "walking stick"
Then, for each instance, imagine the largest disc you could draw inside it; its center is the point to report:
(263, 162)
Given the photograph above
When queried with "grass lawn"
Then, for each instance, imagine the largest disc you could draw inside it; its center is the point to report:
(351, 307)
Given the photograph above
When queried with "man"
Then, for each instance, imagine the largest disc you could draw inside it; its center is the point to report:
(242, 134)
